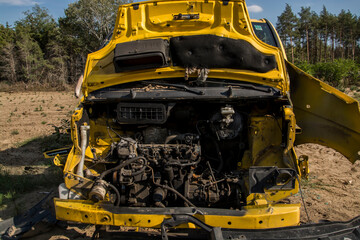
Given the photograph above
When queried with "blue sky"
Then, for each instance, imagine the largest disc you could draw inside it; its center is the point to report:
(270, 9)
(11, 10)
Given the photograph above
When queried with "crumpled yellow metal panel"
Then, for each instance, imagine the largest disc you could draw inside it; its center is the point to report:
(325, 115)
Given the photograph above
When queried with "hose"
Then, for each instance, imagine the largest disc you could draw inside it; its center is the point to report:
(140, 171)
(171, 189)
(117, 202)
(109, 127)
(120, 166)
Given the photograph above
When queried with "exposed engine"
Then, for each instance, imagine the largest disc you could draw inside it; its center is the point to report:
(181, 154)
(156, 165)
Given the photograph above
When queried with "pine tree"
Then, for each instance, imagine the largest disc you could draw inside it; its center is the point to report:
(314, 37)
(286, 28)
(324, 29)
(304, 28)
(332, 31)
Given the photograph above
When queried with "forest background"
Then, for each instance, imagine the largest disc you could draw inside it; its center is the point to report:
(42, 53)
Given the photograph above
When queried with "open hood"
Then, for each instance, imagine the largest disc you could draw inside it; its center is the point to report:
(165, 39)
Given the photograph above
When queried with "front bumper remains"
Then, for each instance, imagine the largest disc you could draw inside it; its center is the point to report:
(205, 223)
(85, 211)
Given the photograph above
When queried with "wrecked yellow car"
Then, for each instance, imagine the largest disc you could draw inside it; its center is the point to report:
(189, 118)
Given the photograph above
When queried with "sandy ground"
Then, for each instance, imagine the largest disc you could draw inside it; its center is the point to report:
(27, 123)
(331, 193)
(333, 189)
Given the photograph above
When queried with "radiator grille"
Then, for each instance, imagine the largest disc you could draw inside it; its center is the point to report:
(141, 113)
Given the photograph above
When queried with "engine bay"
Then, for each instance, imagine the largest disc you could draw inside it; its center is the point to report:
(183, 154)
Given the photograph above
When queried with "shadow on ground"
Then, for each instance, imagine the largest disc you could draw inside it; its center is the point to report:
(26, 175)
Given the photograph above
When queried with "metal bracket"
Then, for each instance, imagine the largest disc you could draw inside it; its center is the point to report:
(215, 232)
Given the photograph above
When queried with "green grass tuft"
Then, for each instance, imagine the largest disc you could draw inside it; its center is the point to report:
(15, 132)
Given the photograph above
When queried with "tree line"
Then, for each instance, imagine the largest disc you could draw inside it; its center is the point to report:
(319, 37)
(39, 50)
(323, 44)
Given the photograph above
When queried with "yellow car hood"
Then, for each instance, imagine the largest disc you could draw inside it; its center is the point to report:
(169, 20)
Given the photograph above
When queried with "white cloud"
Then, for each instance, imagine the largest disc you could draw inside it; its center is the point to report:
(252, 8)
(18, 2)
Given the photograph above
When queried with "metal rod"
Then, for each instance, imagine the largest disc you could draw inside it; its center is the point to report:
(83, 134)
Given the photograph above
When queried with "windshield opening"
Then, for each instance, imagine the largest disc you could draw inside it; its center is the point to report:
(263, 32)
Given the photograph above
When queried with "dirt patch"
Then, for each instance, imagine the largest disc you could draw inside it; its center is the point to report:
(333, 189)
(27, 123)
(30, 115)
